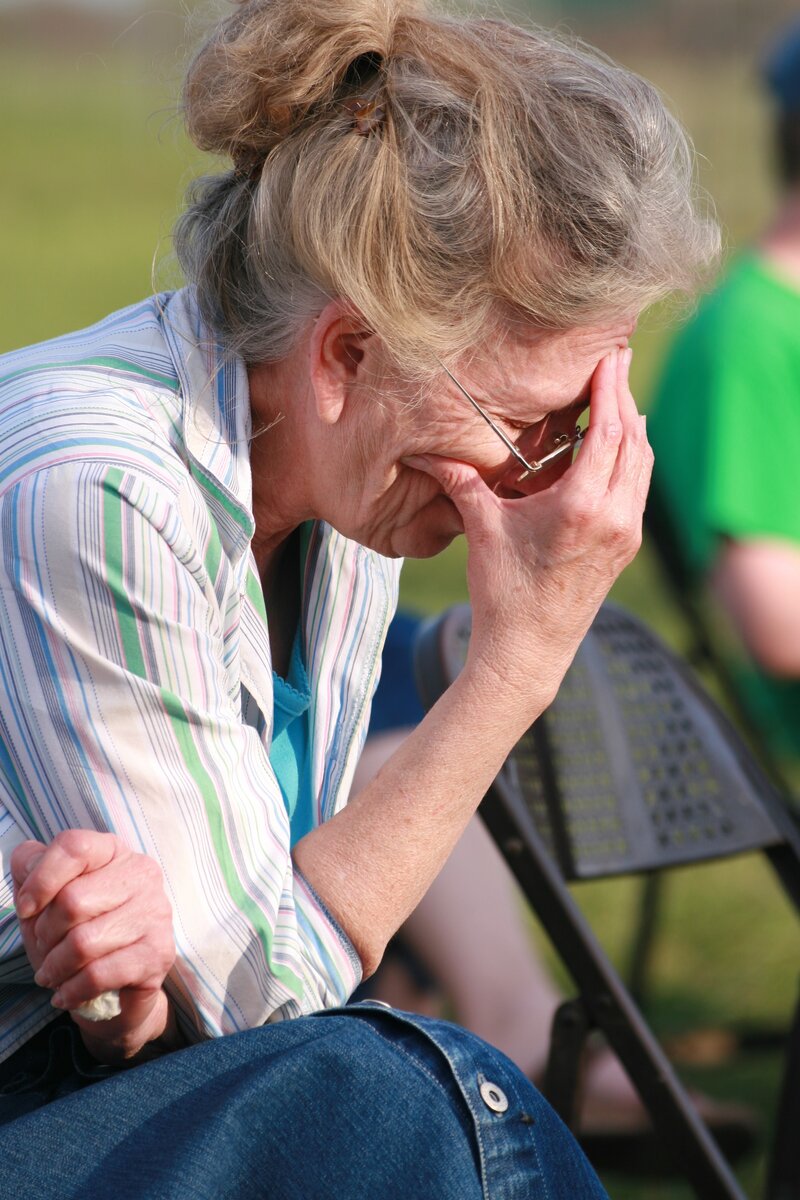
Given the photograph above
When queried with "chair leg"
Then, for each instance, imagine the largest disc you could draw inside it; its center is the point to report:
(644, 935)
(567, 1040)
(783, 1182)
(609, 1005)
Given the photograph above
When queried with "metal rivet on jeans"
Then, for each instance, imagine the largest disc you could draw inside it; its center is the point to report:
(494, 1097)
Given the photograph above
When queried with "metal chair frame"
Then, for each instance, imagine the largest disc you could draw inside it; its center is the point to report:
(542, 868)
(702, 654)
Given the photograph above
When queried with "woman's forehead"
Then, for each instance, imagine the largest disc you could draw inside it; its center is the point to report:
(554, 369)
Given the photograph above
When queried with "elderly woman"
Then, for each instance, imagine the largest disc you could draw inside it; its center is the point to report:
(424, 263)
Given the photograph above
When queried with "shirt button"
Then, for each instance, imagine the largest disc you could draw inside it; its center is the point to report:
(494, 1097)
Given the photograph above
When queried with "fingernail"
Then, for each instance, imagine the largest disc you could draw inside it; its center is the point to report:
(26, 907)
(629, 355)
(57, 1001)
(41, 978)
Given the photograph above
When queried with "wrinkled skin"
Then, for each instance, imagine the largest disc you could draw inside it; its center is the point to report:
(402, 479)
(94, 917)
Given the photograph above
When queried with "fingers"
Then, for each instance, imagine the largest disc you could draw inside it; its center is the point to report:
(145, 915)
(646, 470)
(627, 405)
(595, 463)
(95, 920)
(69, 855)
(615, 455)
(24, 859)
(635, 456)
(462, 484)
(455, 478)
(89, 896)
(135, 966)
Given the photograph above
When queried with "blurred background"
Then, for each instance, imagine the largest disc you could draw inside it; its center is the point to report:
(92, 171)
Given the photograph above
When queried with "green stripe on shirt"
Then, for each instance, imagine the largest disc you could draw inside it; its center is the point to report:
(181, 727)
(112, 529)
(113, 364)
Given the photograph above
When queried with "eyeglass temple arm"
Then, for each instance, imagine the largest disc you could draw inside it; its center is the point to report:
(566, 441)
(529, 467)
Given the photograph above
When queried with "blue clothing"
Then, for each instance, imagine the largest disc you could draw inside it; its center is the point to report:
(134, 628)
(356, 1102)
(137, 684)
(289, 753)
(396, 703)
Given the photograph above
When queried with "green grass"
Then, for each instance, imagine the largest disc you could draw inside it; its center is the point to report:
(94, 168)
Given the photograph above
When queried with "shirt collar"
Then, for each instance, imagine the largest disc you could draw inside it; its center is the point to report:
(216, 415)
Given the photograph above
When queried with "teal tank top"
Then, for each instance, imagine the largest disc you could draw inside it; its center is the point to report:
(290, 749)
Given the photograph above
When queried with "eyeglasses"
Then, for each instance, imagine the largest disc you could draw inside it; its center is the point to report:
(563, 443)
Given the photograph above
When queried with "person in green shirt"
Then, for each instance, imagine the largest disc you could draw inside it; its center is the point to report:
(725, 428)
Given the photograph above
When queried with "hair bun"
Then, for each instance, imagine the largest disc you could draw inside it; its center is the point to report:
(272, 61)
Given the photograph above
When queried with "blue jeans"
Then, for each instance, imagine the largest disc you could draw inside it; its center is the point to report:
(360, 1102)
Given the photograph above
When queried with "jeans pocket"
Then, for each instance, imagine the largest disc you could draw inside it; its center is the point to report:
(54, 1063)
(19, 1083)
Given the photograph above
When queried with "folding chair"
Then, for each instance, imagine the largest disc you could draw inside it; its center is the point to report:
(633, 768)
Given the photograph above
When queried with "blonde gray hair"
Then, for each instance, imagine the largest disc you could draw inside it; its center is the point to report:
(447, 177)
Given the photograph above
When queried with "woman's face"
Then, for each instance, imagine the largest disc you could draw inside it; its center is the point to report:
(533, 389)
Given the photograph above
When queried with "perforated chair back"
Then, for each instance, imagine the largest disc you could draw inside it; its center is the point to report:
(632, 767)
(703, 649)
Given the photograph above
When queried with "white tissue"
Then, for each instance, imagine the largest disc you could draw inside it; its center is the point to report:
(102, 1008)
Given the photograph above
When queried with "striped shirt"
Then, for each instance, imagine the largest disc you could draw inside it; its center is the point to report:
(135, 669)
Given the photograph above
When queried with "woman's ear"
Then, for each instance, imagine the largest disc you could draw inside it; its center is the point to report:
(336, 351)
